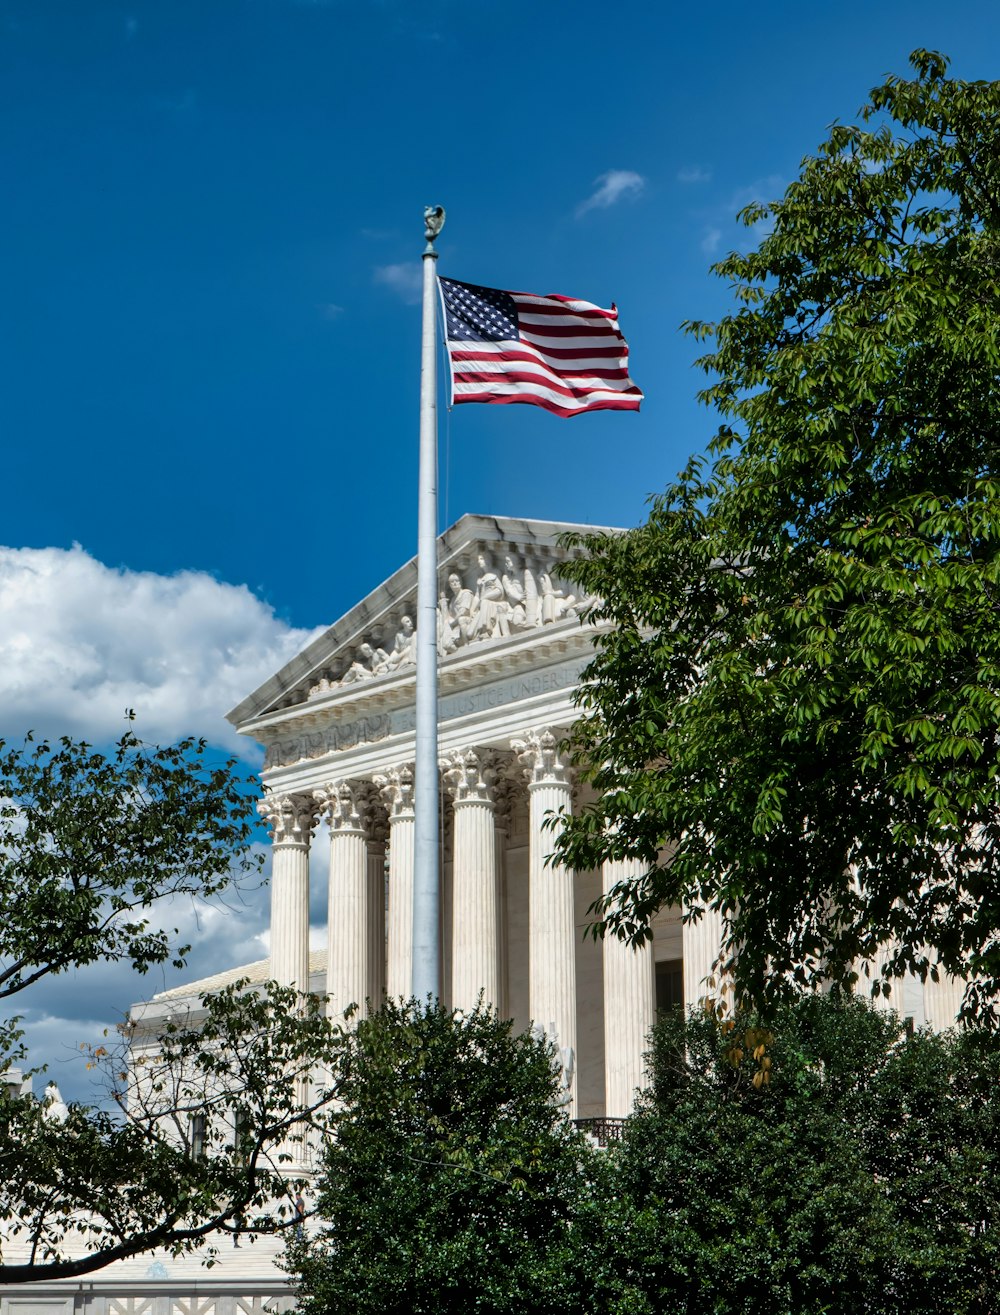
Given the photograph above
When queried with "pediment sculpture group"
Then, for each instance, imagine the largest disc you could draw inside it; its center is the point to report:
(505, 601)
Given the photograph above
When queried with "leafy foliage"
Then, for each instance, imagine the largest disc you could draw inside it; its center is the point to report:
(823, 1162)
(795, 708)
(111, 1182)
(861, 1175)
(454, 1182)
(89, 844)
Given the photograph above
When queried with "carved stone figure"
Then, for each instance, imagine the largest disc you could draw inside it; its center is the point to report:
(464, 607)
(501, 604)
(555, 603)
(493, 621)
(521, 593)
(448, 634)
(370, 662)
(513, 590)
(404, 649)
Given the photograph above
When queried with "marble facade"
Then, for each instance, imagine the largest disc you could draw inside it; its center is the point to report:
(337, 725)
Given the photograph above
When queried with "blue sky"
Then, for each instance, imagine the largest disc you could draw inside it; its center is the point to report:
(208, 337)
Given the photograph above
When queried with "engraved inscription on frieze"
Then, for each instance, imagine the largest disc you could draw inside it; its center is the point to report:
(496, 695)
(368, 730)
(316, 744)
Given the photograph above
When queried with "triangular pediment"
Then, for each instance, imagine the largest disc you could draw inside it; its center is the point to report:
(501, 586)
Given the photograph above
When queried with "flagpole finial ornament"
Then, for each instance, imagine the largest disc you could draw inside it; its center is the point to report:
(433, 221)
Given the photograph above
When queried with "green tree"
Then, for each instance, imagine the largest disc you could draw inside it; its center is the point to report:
(823, 1162)
(793, 715)
(90, 844)
(454, 1183)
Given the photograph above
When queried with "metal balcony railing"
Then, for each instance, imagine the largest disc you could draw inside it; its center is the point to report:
(603, 1130)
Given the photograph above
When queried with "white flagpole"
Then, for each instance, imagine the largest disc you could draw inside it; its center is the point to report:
(426, 882)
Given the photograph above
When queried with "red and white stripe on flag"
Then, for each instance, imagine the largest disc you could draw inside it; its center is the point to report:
(559, 353)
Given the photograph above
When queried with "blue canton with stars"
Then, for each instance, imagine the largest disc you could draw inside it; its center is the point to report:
(475, 314)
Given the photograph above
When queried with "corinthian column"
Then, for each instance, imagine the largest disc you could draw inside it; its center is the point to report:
(349, 935)
(377, 831)
(475, 948)
(629, 1006)
(396, 788)
(551, 913)
(291, 819)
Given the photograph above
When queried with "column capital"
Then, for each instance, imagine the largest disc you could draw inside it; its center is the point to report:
(470, 775)
(342, 805)
(290, 818)
(351, 806)
(396, 788)
(377, 832)
(540, 759)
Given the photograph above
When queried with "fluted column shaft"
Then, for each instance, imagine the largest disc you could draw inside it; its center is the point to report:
(943, 1000)
(500, 834)
(291, 819)
(629, 1006)
(702, 941)
(348, 930)
(551, 910)
(475, 947)
(376, 919)
(396, 787)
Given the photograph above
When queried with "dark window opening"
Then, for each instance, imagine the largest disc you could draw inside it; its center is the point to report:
(196, 1136)
(669, 985)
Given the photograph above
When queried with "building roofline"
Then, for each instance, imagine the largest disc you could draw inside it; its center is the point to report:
(469, 529)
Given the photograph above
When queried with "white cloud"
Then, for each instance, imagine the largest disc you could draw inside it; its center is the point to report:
(694, 174)
(760, 192)
(329, 310)
(405, 280)
(610, 188)
(61, 1012)
(718, 221)
(80, 642)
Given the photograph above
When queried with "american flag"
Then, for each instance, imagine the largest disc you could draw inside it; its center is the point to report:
(556, 352)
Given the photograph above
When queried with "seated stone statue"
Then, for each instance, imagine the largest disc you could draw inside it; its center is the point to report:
(464, 608)
(404, 649)
(493, 621)
(521, 594)
(556, 603)
(370, 662)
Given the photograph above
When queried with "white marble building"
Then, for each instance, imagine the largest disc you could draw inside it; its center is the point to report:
(337, 723)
